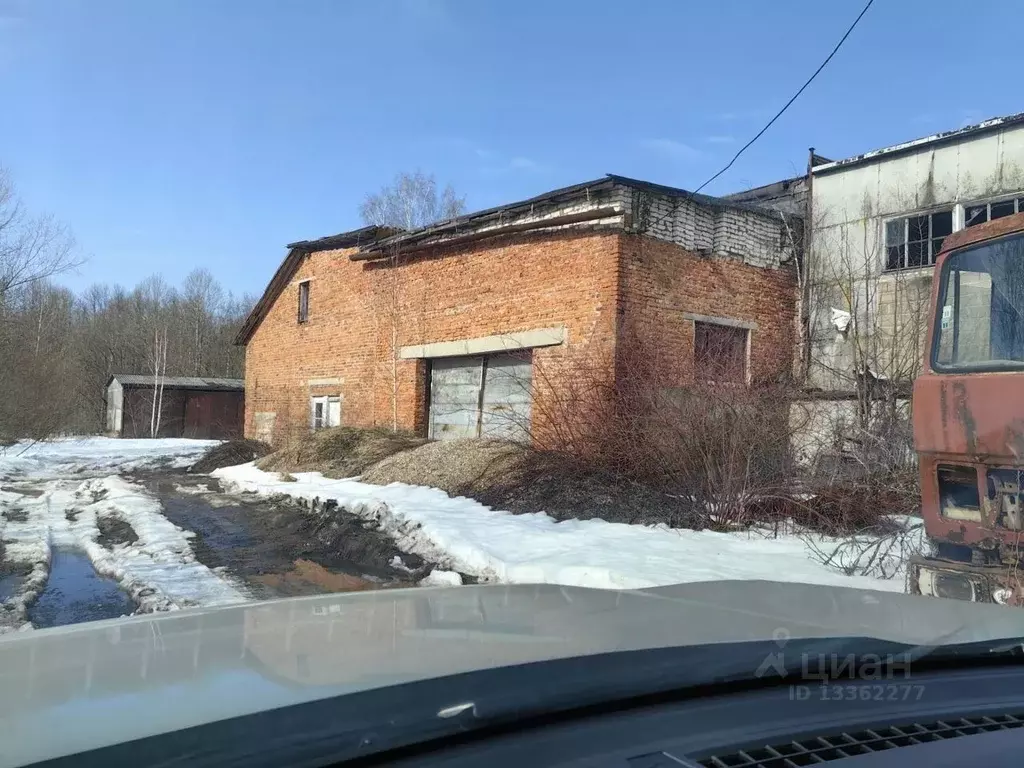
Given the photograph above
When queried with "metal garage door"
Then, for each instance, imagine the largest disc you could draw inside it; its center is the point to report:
(486, 396)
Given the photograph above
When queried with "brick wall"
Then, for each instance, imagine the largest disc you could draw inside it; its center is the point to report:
(662, 283)
(359, 310)
(591, 281)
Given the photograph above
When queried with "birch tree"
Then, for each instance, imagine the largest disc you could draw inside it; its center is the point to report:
(409, 202)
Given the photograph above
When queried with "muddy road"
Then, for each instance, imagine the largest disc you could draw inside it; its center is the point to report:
(275, 547)
(88, 545)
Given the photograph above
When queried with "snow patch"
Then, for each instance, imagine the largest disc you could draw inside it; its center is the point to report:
(463, 535)
(57, 459)
(399, 564)
(159, 571)
(192, 490)
(439, 578)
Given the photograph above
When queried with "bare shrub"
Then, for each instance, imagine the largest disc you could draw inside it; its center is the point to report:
(713, 445)
(882, 554)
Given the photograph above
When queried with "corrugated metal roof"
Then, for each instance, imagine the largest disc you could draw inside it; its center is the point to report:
(179, 382)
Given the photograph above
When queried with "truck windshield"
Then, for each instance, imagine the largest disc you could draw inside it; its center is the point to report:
(980, 325)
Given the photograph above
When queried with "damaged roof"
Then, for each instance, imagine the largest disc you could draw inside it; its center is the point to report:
(179, 382)
(297, 251)
(575, 191)
(945, 137)
(351, 239)
(372, 241)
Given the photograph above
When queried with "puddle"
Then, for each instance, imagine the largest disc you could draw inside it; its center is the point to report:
(9, 585)
(220, 527)
(75, 593)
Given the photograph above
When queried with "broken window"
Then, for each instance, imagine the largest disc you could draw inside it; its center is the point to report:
(325, 411)
(915, 241)
(983, 212)
(719, 353)
(304, 301)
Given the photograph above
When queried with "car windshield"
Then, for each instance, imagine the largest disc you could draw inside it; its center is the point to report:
(980, 322)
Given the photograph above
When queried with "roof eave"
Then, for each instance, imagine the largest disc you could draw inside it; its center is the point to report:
(938, 139)
(289, 265)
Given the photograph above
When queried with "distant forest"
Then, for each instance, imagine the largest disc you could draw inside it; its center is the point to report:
(58, 348)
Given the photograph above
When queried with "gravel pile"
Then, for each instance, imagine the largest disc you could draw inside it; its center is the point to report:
(510, 477)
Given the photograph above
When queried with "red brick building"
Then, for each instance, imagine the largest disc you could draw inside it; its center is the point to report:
(461, 328)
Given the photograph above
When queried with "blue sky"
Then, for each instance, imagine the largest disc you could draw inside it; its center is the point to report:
(170, 134)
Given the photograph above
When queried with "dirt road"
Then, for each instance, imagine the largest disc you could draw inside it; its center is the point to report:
(96, 529)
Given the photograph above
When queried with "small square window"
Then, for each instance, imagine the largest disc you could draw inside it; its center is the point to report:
(942, 224)
(917, 228)
(304, 301)
(915, 241)
(719, 353)
(895, 256)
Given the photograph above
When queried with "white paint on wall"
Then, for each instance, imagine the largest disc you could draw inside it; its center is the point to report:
(851, 204)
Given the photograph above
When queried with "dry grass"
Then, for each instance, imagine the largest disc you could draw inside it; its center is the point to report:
(339, 452)
(230, 454)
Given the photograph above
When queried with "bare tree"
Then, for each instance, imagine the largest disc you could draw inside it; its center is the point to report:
(203, 299)
(865, 335)
(32, 248)
(411, 201)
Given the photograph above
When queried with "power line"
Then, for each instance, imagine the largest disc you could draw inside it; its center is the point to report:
(795, 96)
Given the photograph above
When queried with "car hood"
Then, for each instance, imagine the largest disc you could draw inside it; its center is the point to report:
(69, 689)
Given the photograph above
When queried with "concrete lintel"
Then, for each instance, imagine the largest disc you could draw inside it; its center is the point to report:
(539, 337)
(748, 324)
(331, 382)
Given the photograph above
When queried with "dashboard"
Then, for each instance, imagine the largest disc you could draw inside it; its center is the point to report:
(954, 718)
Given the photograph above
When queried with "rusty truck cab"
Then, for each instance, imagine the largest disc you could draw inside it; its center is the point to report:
(968, 413)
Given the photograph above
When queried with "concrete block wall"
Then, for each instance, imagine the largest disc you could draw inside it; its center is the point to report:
(757, 238)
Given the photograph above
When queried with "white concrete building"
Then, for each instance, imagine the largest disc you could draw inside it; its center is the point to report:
(873, 225)
(876, 223)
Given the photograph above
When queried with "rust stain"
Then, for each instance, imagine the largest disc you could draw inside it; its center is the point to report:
(943, 409)
(965, 417)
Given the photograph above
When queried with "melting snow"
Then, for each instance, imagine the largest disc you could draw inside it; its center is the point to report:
(463, 535)
(159, 570)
